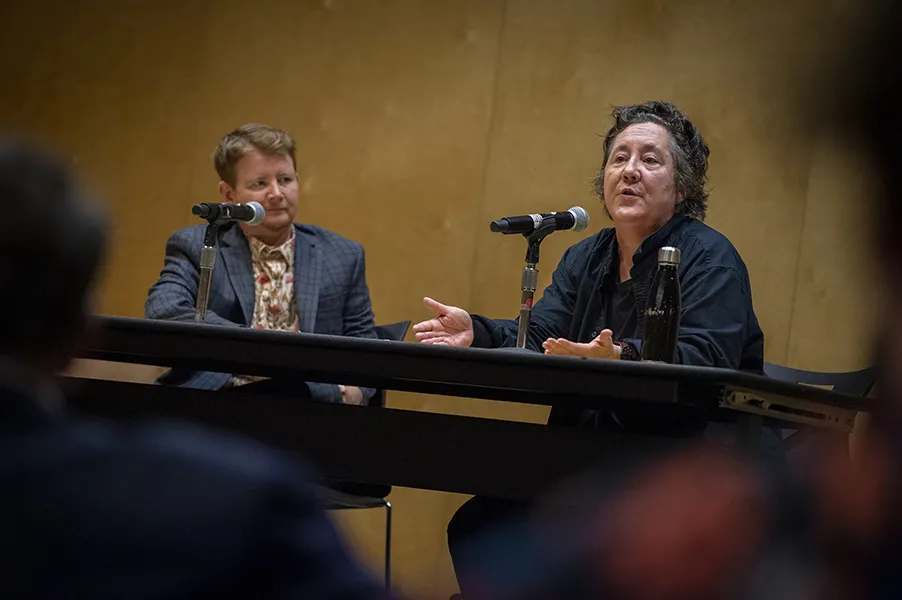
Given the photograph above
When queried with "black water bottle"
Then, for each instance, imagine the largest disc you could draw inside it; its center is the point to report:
(662, 312)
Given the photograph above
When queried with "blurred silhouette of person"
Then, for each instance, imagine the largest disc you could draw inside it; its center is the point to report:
(89, 510)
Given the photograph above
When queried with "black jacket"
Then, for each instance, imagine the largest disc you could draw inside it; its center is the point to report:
(718, 327)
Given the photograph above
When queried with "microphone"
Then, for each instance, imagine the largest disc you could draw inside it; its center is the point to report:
(576, 219)
(251, 213)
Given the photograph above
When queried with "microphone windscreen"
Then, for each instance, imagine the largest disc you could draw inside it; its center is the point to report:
(259, 213)
(581, 216)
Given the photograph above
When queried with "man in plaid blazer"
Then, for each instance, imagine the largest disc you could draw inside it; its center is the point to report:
(278, 275)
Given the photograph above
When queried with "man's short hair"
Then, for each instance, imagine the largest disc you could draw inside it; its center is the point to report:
(249, 138)
(51, 244)
(689, 150)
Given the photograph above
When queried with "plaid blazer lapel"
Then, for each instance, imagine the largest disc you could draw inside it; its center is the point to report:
(307, 264)
(236, 258)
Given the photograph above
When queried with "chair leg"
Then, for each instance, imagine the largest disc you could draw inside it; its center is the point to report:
(387, 545)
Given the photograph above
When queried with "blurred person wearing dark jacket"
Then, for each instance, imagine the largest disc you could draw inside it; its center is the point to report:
(89, 510)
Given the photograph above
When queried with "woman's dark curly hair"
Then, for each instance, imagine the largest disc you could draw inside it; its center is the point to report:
(689, 150)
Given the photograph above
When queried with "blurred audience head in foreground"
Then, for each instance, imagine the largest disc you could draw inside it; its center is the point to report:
(52, 240)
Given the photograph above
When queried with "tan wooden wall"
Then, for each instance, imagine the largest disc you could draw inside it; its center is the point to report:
(420, 121)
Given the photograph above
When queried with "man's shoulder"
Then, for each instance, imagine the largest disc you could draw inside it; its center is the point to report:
(326, 237)
(335, 243)
(189, 234)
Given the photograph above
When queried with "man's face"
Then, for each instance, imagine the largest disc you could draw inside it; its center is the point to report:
(272, 181)
(640, 177)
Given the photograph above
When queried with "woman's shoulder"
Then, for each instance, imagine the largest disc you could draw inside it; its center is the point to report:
(704, 242)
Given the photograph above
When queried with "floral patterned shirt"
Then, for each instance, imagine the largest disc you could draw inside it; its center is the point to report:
(274, 305)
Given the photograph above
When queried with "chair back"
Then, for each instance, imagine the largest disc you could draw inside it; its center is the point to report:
(393, 332)
(853, 383)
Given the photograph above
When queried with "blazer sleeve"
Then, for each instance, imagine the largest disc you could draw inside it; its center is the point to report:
(358, 310)
(174, 296)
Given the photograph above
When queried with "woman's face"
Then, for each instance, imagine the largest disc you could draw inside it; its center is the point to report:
(640, 177)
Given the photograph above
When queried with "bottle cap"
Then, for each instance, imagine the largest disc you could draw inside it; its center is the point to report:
(669, 255)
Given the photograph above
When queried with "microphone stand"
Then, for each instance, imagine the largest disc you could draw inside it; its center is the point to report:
(531, 276)
(207, 262)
